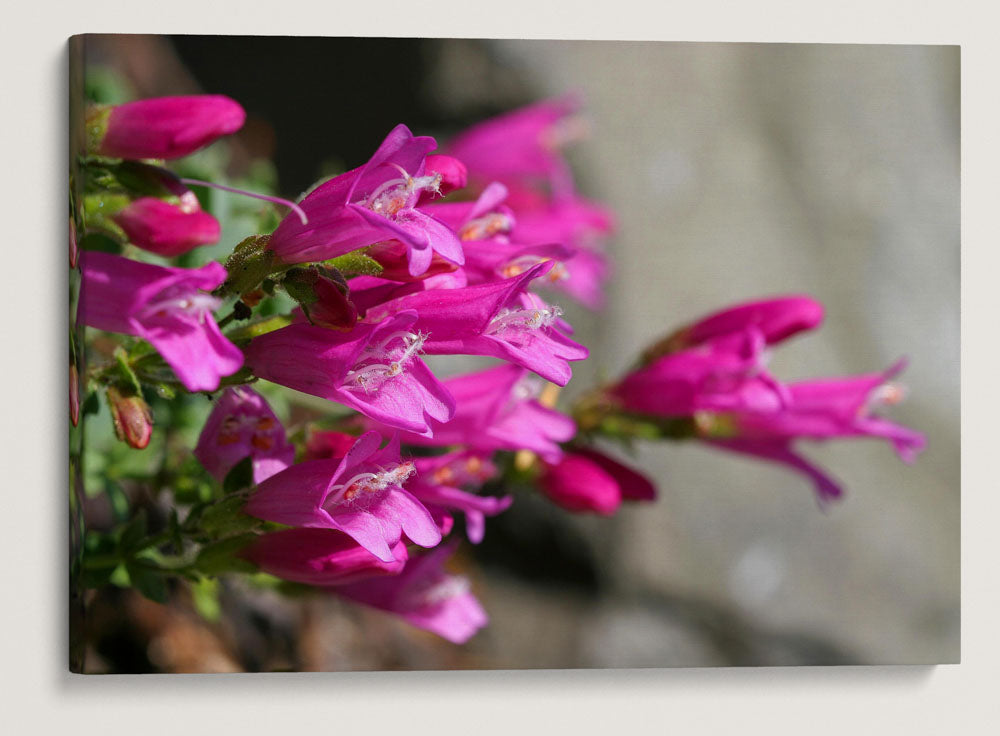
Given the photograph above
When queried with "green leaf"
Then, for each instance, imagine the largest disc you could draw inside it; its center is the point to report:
(226, 518)
(220, 557)
(149, 582)
(133, 534)
(240, 477)
(205, 596)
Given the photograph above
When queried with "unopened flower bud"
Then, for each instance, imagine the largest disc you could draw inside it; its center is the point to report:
(162, 127)
(167, 229)
(131, 416)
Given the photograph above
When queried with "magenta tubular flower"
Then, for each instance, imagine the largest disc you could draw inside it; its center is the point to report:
(727, 375)
(373, 369)
(586, 480)
(242, 425)
(498, 409)
(167, 229)
(425, 596)
(169, 307)
(360, 495)
(320, 557)
(577, 224)
(438, 482)
(522, 144)
(168, 127)
(817, 410)
(498, 319)
(375, 202)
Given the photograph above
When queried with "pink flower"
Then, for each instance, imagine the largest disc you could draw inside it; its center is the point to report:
(816, 410)
(320, 557)
(587, 480)
(438, 483)
(725, 375)
(169, 307)
(242, 425)
(426, 596)
(373, 369)
(522, 144)
(375, 202)
(498, 319)
(360, 495)
(167, 229)
(166, 127)
(497, 409)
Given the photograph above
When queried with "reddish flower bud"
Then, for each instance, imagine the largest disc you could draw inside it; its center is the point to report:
(167, 229)
(163, 127)
(579, 484)
(132, 418)
(587, 480)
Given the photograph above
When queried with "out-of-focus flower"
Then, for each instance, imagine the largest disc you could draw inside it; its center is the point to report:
(522, 144)
(131, 417)
(587, 480)
(320, 557)
(167, 229)
(373, 369)
(367, 205)
(426, 596)
(162, 127)
(498, 319)
(498, 409)
(438, 484)
(360, 495)
(169, 307)
(242, 425)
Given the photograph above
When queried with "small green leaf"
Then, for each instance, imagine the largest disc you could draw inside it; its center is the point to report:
(149, 582)
(220, 557)
(133, 534)
(240, 477)
(205, 596)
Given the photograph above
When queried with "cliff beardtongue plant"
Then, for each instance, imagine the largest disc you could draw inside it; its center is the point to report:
(169, 307)
(320, 557)
(425, 595)
(383, 274)
(588, 480)
(498, 319)
(242, 425)
(775, 319)
(374, 369)
(499, 409)
(162, 127)
(360, 495)
(376, 202)
(166, 229)
(711, 373)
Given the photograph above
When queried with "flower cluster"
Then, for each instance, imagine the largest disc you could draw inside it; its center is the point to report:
(710, 380)
(414, 253)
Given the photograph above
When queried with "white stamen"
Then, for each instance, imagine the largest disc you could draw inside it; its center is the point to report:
(370, 483)
(531, 319)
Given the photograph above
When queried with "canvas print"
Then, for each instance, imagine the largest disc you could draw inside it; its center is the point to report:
(414, 354)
